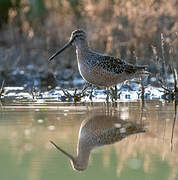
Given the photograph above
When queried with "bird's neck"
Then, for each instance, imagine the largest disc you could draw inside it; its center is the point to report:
(82, 51)
(83, 153)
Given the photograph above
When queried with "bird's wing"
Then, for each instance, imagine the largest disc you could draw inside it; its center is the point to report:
(112, 64)
(118, 66)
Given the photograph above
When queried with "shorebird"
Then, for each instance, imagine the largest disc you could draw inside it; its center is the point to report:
(97, 131)
(99, 69)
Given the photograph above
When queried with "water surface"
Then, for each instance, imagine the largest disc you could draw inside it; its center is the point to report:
(26, 153)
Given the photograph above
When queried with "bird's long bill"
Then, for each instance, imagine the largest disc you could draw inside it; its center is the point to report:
(62, 49)
(64, 152)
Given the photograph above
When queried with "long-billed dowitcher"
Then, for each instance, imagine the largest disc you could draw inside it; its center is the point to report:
(97, 131)
(99, 69)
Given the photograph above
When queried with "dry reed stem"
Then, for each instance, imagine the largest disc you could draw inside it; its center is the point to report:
(2, 88)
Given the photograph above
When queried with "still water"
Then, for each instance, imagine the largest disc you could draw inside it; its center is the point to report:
(130, 141)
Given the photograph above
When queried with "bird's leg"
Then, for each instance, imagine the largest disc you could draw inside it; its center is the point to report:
(91, 93)
(87, 85)
(114, 93)
(107, 95)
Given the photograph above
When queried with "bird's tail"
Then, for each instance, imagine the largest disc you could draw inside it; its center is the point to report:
(142, 70)
(137, 70)
(144, 67)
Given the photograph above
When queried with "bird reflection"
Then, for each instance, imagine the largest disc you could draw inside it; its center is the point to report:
(96, 131)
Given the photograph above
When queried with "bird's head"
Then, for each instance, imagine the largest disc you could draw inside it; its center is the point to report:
(77, 38)
(76, 164)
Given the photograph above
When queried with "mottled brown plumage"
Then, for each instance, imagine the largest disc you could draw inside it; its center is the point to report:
(96, 68)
